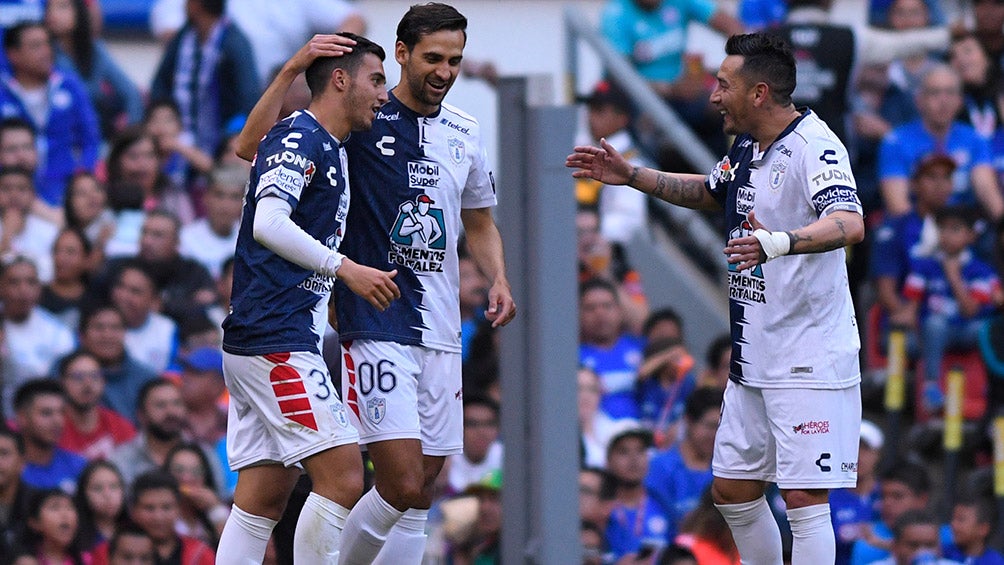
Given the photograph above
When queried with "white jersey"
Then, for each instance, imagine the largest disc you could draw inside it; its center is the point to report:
(414, 175)
(792, 320)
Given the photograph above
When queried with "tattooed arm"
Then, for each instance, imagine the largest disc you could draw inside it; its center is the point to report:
(608, 166)
(833, 231)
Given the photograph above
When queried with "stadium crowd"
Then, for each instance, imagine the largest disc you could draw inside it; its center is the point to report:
(119, 211)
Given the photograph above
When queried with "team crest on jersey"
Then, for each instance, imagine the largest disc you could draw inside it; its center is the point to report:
(457, 149)
(338, 411)
(308, 174)
(777, 171)
(376, 409)
(418, 238)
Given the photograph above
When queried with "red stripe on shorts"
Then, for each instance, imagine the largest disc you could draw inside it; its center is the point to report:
(351, 398)
(294, 405)
(278, 357)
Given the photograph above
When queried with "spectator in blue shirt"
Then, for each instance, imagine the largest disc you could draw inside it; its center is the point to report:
(852, 509)
(973, 520)
(39, 407)
(57, 105)
(607, 349)
(636, 520)
(677, 476)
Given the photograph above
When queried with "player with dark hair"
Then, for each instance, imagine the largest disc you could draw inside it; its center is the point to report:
(284, 409)
(792, 405)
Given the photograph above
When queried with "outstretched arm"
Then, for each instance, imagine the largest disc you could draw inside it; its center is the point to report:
(608, 166)
(266, 111)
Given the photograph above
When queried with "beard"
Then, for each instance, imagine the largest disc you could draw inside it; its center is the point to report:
(167, 431)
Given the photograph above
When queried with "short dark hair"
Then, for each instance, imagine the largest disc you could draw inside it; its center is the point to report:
(481, 400)
(965, 214)
(320, 69)
(14, 124)
(153, 480)
(30, 390)
(127, 529)
(767, 58)
(911, 474)
(63, 365)
(597, 283)
(14, 436)
(12, 37)
(214, 7)
(141, 268)
(715, 349)
(423, 19)
(913, 518)
(986, 510)
(9, 263)
(148, 387)
(666, 314)
(165, 213)
(702, 400)
(89, 313)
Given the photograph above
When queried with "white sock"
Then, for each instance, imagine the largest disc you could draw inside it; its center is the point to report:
(405, 543)
(244, 539)
(366, 529)
(755, 532)
(812, 535)
(318, 531)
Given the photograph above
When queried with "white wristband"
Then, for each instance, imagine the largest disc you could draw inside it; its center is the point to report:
(774, 243)
(331, 264)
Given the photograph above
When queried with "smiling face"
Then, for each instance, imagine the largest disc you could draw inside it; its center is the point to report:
(367, 92)
(429, 70)
(732, 96)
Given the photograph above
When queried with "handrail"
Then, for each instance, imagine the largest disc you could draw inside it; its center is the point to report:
(665, 119)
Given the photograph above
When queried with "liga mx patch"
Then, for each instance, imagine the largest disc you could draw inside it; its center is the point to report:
(376, 408)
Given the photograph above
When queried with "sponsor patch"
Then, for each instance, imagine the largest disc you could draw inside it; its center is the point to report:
(423, 175)
(831, 176)
(812, 427)
(843, 196)
(283, 179)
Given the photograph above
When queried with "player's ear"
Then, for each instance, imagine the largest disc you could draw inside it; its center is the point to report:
(401, 52)
(760, 93)
(340, 78)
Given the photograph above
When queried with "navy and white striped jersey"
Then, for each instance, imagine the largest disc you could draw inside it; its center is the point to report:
(792, 320)
(413, 175)
(278, 306)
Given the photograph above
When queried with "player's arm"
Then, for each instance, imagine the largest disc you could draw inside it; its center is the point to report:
(266, 111)
(833, 231)
(485, 246)
(608, 166)
(274, 229)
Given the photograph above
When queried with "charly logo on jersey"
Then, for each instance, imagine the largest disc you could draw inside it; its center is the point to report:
(376, 409)
(418, 238)
(749, 285)
(458, 149)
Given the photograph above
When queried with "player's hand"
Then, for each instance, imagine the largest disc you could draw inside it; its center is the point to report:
(321, 45)
(372, 284)
(747, 251)
(603, 163)
(501, 307)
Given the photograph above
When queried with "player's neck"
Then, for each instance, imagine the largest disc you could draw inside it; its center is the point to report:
(332, 118)
(405, 97)
(775, 122)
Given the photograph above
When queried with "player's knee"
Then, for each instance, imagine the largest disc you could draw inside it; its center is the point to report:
(725, 491)
(798, 498)
(407, 490)
(343, 485)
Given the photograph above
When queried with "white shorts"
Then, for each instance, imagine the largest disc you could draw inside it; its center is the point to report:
(397, 391)
(283, 408)
(797, 438)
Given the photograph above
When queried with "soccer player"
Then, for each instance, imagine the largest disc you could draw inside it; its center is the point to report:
(792, 408)
(421, 172)
(284, 409)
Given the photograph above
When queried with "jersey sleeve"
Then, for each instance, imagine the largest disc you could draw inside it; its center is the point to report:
(830, 183)
(479, 192)
(285, 165)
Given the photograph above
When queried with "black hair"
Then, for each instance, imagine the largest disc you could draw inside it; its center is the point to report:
(121, 194)
(320, 69)
(125, 529)
(14, 436)
(7, 263)
(68, 212)
(666, 314)
(767, 58)
(64, 362)
(914, 476)
(12, 124)
(12, 36)
(33, 539)
(715, 349)
(168, 103)
(481, 400)
(148, 387)
(913, 518)
(140, 267)
(81, 39)
(87, 314)
(702, 400)
(30, 390)
(965, 214)
(597, 283)
(423, 19)
(156, 479)
(214, 8)
(165, 213)
(208, 480)
(87, 529)
(986, 510)
(674, 553)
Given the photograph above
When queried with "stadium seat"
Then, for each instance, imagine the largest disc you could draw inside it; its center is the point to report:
(974, 400)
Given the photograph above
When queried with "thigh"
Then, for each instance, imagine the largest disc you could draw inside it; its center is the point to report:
(292, 398)
(817, 433)
(380, 380)
(264, 489)
(441, 403)
(744, 446)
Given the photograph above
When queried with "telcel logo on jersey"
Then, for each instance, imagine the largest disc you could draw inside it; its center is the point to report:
(422, 175)
(388, 117)
(449, 124)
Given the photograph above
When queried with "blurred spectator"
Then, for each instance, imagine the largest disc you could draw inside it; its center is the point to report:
(33, 335)
(219, 309)
(482, 449)
(595, 497)
(483, 545)
(18, 146)
(636, 521)
(155, 507)
(202, 514)
(676, 554)
(915, 541)
(39, 407)
(591, 537)
(201, 388)
(102, 334)
(179, 158)
(973, 520)
(905, 486)
(23, 231)
(596, 426)
(473, 301)
(665, 377)
(100, 502)
(71, 270)
(133, 165)
(853, 509)
(607, 349)
(677, 476)
(880, 12)
(208, 70)
(91, 430)
(939, 100)
(900, 239)
(51, 528)
(623, 211)
(988, 22)
(115, 98)
(130, 545)
(599, 258)
(954, 292)
(756, 15)
(56, 104)
(151, 337)
(705, 533)
(717, 361)
(212, 240)
(14, 492)
(980, 85)
(161, 427)
(86, 208)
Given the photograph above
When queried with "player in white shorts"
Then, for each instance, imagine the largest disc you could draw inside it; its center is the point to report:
(284, 409)
(792, 408)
